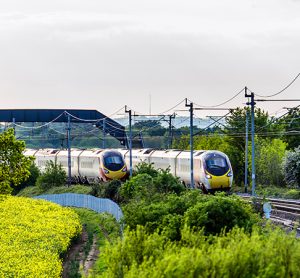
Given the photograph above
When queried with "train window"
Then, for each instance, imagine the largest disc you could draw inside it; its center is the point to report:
(113, 159)
(86, 164)
(113, 162)
(216, 164)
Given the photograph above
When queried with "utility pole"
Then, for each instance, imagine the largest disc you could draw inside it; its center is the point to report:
(14, 125)
(130, 138)
(69, 149)
(246, 154)
(171, 117)
(252, 103)
(104, 133)
(191, 106)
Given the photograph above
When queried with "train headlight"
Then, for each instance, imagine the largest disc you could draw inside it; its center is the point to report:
(229, 174)
(208, 176)
(106, 171)
(124, 169)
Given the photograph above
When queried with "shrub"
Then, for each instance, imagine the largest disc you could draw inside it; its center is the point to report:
(31, 181)
(156, 213)
(139, 187)
(111, 190)
(146, 168)
(165, 182)
(53, 176)
(268, 253)
(168, 214)
(219, 212)
(292, 194)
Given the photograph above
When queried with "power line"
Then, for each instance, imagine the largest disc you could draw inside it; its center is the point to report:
(212, 106)
(281, 91)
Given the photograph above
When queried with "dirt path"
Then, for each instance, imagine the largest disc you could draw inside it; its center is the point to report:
(76, 254)
(92, 257)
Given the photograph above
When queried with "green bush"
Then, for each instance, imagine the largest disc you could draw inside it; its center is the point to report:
(165, 182)
(219, 213)
(292, 194)
(146, 168)
(108, 190)
(31, 181)
(154, 213)
(169, 213)
(53, 176)
(268, 253)
(138, 187)
(148, 182)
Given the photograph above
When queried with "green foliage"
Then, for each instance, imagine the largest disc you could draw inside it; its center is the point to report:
(146, 168)
(268, 160)
(219, 212)
(268, 253)
(36, 190)
(108, 190)
(157, 212)
(235, 130)
(103, 226)
(211, 142)
(138, 187)
(277, 192)
(53, 176)
(292, 194)
(292, 123)
(14, 166)
(135, 248)
(291, 166)
(165, 182)
(31, 181)
(148, 181)
(168, 214)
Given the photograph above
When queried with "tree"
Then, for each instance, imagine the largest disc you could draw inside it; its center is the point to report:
(31, 181)
(235, 130)
(291, 123)
(268, 160)
(14, 166)
(291, 167)
(54, 175)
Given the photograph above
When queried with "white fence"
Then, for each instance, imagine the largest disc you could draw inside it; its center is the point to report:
(84, 201)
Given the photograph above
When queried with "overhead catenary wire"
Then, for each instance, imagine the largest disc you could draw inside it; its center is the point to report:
(220, 104)
(41, 126)
(281, 91)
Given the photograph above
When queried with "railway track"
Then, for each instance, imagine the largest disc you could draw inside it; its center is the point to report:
(284, 212)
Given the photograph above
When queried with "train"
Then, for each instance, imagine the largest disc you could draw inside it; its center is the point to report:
(212, 169)
(87, 166)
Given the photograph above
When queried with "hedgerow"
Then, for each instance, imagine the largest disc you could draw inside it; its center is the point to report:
(33, 235)
(263, 253)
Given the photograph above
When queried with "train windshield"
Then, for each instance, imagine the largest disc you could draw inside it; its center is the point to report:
(113, 161)
(216, 164)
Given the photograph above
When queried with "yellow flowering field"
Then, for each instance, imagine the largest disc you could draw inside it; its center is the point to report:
(33, 234)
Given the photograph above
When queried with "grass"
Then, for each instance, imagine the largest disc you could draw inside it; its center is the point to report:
(103, 225)
(31, 191)
(271, 192)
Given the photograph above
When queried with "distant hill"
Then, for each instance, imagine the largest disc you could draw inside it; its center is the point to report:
(178, 122)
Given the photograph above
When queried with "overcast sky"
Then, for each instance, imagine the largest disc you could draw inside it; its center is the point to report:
(106, 54)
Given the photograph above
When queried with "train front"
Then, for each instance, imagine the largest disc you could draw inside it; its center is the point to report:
(218, 171)
(113, 165)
